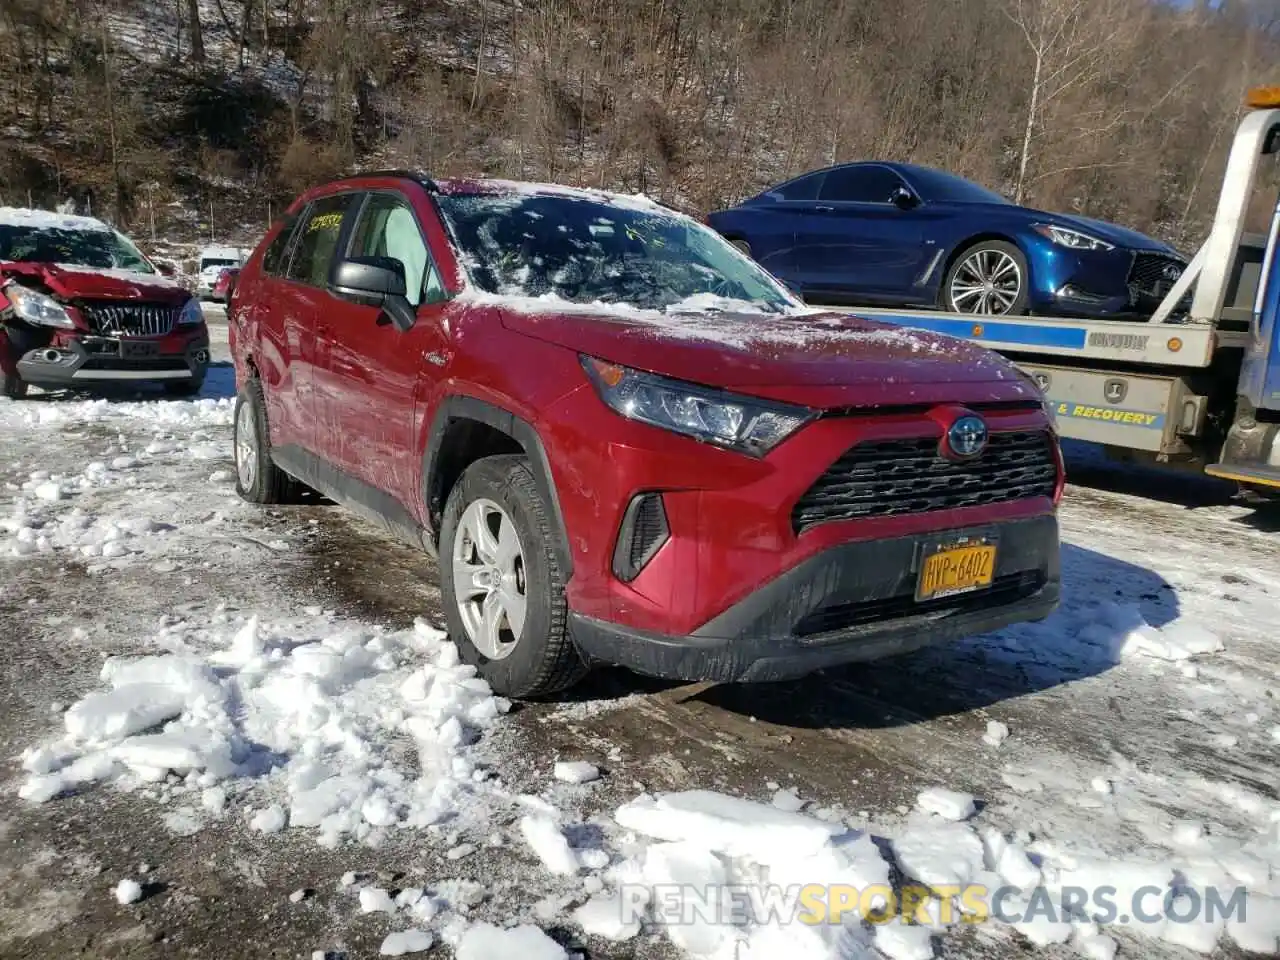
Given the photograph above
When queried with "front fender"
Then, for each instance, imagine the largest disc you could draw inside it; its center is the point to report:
(458, 407)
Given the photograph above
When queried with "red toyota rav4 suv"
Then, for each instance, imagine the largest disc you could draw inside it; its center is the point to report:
(81, 306)
(627, 443)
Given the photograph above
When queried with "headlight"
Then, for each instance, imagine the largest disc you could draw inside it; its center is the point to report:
(1065, 237)
(38, 308)
(745, 424)
(191, 314)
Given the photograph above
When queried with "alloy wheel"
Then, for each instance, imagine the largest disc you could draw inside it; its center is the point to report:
(987, 281)
(489, 579)
(246, 446)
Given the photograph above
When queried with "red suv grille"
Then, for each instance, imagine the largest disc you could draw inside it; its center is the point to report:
(888, 478)
(130, 319)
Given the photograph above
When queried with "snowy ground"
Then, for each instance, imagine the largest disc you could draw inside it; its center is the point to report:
(235, 725)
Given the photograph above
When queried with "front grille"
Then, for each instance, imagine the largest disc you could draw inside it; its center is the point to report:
(1147, 275)
(848, 616)
(887, 478)
(130, 319)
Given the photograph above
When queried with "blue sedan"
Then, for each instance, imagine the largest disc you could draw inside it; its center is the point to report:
(901, 234)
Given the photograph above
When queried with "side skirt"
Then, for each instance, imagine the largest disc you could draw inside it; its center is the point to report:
(374, 505)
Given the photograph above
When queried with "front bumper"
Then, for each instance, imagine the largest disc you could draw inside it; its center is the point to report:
(84, 361)
(1099, 283)
(852, 602)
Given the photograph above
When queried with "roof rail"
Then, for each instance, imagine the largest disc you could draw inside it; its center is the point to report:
(417, 176)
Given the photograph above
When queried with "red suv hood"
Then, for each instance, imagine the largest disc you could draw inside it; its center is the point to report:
(825, 359)
(92, 283)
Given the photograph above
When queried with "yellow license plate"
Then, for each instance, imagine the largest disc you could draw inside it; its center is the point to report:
(949, 570)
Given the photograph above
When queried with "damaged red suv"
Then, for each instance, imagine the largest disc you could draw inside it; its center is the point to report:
(81, 306)
(627, 443)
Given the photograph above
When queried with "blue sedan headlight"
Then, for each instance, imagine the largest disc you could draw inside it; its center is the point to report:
(1074, 239)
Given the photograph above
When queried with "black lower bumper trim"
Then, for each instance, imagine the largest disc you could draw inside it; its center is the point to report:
(862, 592)
(77, 364)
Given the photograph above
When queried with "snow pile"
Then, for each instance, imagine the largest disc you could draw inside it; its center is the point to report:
(575, 771)
(487, 942)
(406, 941)
(1120, 631)
(729, 878)
(718, 874)
(948, 804)
(310, 717)
(128, 891)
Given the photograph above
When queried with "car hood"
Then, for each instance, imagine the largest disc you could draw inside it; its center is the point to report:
(822, 359)
(1110, 232)
(72, 282)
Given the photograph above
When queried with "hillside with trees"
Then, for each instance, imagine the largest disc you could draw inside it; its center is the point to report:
(193, 118)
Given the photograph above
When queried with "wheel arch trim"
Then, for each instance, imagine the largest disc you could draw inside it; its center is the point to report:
(460, 407)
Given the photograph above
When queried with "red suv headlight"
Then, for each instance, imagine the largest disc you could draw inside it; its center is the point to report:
(745, 424)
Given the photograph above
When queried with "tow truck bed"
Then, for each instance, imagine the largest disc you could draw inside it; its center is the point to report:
(1099, 390)
(1141, 342)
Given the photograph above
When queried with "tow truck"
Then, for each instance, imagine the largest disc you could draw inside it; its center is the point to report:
(1195, 386)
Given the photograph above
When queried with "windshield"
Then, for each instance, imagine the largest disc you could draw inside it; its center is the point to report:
(206, 265)
(586, 251)
(104, 249)
(936, 185)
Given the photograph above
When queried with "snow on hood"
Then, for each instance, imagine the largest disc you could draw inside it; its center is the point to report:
(118, 273)
(836, 358)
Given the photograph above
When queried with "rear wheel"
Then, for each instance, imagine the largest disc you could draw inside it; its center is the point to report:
(502, 586)
(258, 479)
(989, 277)
(742, 245)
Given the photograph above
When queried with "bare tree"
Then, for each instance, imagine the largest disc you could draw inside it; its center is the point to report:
(197, 35)
(1068, 41)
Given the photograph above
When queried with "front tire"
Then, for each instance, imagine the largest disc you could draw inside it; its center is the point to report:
(12, 386)
(990, 277)
(501, 583)
(258, 479)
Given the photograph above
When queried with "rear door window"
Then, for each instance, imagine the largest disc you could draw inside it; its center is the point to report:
(806, 188)
(318, 239)
(870, 184)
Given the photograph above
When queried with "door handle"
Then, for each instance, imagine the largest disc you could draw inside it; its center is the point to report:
(824, 208)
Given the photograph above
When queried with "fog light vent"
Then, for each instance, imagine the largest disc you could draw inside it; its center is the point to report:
(643, 532)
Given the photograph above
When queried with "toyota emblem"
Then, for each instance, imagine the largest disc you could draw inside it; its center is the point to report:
(967, 437)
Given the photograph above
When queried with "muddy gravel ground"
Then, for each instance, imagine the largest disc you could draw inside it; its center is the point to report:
(866, 738)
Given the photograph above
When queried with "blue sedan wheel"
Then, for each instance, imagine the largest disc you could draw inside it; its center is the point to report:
(990, 277)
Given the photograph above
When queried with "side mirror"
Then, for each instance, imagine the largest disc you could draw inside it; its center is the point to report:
(375, 282)
(903, 199)
(166, 269)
